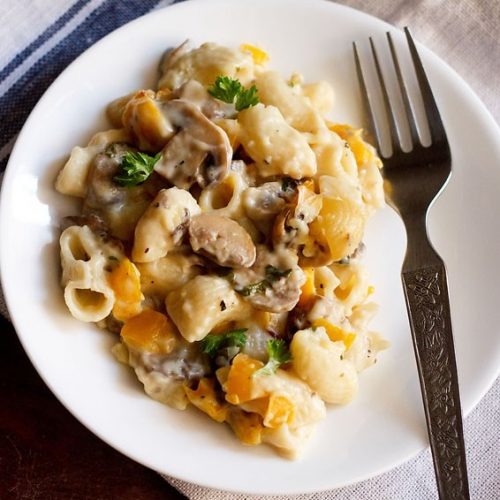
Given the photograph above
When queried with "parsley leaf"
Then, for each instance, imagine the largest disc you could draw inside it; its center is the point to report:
(278, 355)
(247, 98)
(253, 288)
(229, 90)
(272, 274)
(135, 168)
(225, 89)
(212, 343)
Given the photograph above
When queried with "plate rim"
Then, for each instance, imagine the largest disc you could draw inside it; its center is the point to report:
(9, 175)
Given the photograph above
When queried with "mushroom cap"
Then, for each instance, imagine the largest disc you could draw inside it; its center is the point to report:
(280, 291)
(183, 157)
(222, 240)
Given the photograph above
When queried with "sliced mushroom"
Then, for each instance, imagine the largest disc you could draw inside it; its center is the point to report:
(263, 203)
(194, 92)
(291, 227)
(163, 225)
(274, 282)
(119, 207)
(222, 240)
(182, 161)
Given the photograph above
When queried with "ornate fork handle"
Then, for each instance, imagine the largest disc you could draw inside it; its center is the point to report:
(426, 293)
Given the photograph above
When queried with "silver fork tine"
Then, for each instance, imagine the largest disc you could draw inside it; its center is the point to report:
(395, 140)
(436, 127)
(415, 179)
(404, 93)
(375, 132)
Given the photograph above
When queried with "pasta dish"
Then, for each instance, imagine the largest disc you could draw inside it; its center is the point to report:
(220, 240)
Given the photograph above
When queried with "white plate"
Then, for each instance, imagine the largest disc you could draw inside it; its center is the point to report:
(385, 425)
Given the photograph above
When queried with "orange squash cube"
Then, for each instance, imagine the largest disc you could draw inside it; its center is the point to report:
(125, 281)
(239, 382)
(205, 399)
(150, 331)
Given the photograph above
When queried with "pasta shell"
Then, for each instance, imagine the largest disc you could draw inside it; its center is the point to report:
(341, 225)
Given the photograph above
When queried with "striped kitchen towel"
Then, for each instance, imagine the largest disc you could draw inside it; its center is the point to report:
(40, 39)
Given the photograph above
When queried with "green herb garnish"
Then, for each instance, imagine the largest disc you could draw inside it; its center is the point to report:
(229, 90)
(254, 288)
(135, 168)
(272, 274)
(278, 355)
(247, 98)
(212, 343)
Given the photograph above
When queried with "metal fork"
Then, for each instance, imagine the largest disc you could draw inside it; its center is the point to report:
(413, 181)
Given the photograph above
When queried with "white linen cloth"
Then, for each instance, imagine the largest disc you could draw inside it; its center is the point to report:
(463, 32)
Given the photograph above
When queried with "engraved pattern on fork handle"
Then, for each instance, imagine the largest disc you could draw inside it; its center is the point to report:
(426, 294)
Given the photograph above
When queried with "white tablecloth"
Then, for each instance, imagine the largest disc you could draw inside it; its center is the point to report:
(40, 37)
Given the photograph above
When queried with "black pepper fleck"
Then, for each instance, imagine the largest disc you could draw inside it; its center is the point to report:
(222, 305)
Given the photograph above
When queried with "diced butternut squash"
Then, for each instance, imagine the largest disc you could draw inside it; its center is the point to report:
(259, 56)
(363, 152)
(247, 426)
(308, 290)
(262, 318)
(239, 382)
(145, 122)
(275, 409)
(206, 400)
(280, 411)
(335, 333)
(150, 331)
(125, 280)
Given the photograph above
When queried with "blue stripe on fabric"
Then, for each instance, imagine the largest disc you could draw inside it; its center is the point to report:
(41, 39)
(18, 101)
